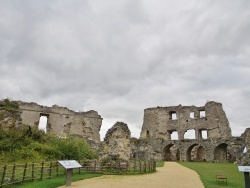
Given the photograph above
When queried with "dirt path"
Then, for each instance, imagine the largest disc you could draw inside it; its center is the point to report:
(172, 175)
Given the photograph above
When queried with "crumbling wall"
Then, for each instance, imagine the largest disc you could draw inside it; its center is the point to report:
(117, 141)
(160, 122)
(10, 114)
(61, 121)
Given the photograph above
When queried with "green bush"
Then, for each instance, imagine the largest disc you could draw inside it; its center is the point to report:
(20, 145)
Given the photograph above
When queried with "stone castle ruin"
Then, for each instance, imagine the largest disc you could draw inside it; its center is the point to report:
(212, 139)
(63, 122)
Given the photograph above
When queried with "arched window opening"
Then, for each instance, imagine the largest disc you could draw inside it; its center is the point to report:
(192, 115)
(147, 134)
(174, 135)
(43, 121)
(202, 114)
(204, 134)
(190, 134)
(172, 115)
(245, 150)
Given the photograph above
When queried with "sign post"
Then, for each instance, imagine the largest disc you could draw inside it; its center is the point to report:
(246, 170)
(69, 165)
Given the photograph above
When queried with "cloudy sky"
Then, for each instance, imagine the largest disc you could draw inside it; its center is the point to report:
(120, 57)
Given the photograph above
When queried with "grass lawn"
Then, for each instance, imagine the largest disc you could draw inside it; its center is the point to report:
(207, 172)
(159, 163)
(55, 182)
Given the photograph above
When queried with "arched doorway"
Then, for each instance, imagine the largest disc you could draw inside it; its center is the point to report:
(201, 156)
(171, 153)
(167, 153)
(220, 153)
(191, 154)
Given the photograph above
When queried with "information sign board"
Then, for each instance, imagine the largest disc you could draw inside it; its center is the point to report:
(68, 164)
(244, 168)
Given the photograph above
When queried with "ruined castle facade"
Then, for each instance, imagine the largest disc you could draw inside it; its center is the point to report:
(212, 139)
(63, 122)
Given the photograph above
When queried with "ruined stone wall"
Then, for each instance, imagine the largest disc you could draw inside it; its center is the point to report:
(117, 141)
(161, 122)
(62, 121)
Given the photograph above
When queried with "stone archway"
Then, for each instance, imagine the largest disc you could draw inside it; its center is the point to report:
(220, 153)
(171, 153)
(190, 153)
(167, 153)
(200, 156)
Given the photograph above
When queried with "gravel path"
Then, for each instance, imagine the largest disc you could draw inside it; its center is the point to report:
(172, 175)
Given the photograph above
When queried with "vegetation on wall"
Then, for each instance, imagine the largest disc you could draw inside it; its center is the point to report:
(25, 143)
(31, 144)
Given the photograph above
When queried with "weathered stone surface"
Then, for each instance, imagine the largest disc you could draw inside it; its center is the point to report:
(9, 116)
(62, 121)
(117, 141)
(219, 145)
(160, 122)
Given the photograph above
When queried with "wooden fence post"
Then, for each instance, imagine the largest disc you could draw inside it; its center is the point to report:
(95, 167)
(140, 166)
(41, 174)
(127, 167)
(32, 171)
(3, 176)
(50, 169)
(13, 173)
(134, 165)
(57, 168)
(119, 167)
(24, 172)
(79, 171)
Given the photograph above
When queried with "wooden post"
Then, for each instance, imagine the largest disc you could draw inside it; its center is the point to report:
(127, 167)
(110, 167)
(134, 165)
(24, 172)
(119, 167)
(140, 166)
(13, 173)
(3, 176)
(57, 168)
(41, 175)
(32, 171)
(95, 167)
(50, 169)
(79, 170)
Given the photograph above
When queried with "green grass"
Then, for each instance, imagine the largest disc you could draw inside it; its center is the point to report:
(55, 182)
(207, 172)
(159, 163)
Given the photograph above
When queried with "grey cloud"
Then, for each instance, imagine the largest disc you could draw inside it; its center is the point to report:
(120, 57)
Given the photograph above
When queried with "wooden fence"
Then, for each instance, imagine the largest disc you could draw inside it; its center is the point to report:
(18, 173)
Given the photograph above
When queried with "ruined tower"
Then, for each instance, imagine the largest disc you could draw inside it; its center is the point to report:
(161, 122)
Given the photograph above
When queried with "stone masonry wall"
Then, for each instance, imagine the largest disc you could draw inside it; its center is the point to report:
(62, 121)
(117, 141)
(160, 122)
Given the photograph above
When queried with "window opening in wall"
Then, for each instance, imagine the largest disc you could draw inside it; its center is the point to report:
(43, 123)
(190, 134)
(192, 115)
(245, 150)
(147, 134)
(202, 114)
(172, 115)
(174, 135)
(204, 134)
